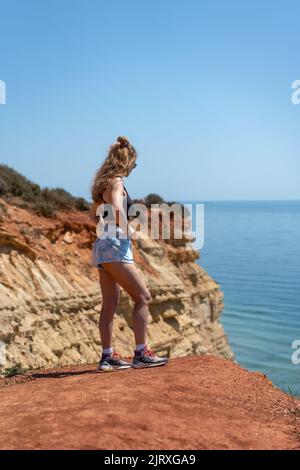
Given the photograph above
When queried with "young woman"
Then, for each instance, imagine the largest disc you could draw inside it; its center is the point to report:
(112, 255)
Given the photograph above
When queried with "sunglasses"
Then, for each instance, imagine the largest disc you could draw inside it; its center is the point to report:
(134, 165)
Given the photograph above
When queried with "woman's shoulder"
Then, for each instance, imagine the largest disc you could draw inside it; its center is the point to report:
(116, 181)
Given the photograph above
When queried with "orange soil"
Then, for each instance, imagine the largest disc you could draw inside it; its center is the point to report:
(196, 402)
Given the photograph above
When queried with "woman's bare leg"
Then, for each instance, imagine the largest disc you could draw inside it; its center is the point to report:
(129, 278)
(110, 298)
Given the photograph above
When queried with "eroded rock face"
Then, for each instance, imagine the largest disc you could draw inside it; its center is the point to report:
(50, 299)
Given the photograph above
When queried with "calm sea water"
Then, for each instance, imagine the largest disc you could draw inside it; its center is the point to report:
(253, 250)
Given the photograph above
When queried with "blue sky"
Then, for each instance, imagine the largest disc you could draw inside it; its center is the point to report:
(201, 88)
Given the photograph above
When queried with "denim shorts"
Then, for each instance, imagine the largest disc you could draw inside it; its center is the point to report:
(112, 249)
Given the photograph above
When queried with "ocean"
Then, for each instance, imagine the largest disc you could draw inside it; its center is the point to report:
(252, 249)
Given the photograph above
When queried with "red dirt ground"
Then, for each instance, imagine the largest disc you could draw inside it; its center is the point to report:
(196, 402)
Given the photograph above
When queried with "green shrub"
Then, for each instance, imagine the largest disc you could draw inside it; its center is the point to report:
(44, 209)
(153, 199)
(15, 184)
(58, 197)
(44, 201)
(3, 186)
(81, 204)
(14, 370)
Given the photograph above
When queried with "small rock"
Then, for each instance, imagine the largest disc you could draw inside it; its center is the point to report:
(68, 238)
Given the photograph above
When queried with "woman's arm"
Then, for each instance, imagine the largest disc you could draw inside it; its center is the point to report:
(115, 190)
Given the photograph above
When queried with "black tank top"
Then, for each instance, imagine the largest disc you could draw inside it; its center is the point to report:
(126, 209)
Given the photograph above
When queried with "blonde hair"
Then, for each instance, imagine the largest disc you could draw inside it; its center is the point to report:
(118, 162)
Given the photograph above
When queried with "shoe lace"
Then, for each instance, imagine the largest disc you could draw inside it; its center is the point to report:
(116, 355)
(148, 352)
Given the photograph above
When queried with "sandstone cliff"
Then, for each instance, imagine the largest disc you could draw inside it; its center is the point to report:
(50, 297)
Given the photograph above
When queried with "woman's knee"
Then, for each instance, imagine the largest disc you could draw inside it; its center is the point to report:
(144, 298)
